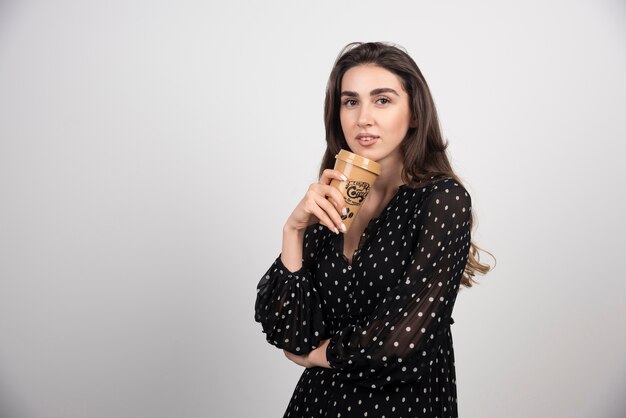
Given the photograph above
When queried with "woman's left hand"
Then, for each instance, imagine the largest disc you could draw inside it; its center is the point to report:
(315, 358)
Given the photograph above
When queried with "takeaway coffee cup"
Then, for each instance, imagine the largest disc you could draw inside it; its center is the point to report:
(361, 173)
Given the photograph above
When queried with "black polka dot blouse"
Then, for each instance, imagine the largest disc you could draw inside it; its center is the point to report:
(387, 314)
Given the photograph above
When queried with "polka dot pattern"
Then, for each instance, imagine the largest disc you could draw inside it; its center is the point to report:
(387, 312)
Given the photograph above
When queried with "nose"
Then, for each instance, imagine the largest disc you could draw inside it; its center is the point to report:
(365, 116)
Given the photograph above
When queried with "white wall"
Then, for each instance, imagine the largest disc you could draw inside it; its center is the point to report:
(150, 152)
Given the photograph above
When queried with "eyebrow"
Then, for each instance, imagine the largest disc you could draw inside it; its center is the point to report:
(372, 93)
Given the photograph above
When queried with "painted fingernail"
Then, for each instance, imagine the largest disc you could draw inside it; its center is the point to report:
(343, 177)
(343, 227)
(344, 211)
(336, 231)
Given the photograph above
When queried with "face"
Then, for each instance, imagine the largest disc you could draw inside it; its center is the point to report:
(374, 113)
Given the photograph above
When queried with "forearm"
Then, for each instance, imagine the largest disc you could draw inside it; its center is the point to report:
(317, 357)
(291, 255)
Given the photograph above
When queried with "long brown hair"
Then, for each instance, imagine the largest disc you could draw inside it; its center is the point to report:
(423, 148)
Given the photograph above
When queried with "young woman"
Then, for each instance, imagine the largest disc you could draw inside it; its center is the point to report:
(367, 313)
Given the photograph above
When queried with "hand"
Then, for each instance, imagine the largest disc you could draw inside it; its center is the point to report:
(315, 358)
(316, 207)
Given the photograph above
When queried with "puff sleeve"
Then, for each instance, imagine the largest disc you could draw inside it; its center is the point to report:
(288, 305)
(395, 342)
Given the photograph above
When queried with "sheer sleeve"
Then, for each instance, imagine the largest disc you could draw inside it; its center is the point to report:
(288, 305)
(395, 343)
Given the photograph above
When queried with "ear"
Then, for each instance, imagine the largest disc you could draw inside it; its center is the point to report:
(413, 123)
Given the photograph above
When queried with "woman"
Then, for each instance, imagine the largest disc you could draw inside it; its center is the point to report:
(367, 313)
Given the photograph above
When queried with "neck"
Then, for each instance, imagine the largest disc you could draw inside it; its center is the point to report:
(391, 176)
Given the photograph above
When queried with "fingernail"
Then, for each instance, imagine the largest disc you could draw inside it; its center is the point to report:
(344, 211)
(343, 177)
(336, 231)
(343, 227)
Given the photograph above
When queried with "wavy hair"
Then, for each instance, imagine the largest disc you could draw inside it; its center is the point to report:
(423, 149)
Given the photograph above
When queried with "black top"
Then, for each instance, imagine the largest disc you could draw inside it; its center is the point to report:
(387, 314)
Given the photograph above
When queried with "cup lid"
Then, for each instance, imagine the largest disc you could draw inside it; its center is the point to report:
(359, 161)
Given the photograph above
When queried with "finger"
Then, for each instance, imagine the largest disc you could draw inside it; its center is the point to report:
(331, 174)
(313, 206)
(337, 199)
(330, 212)
(334, 196)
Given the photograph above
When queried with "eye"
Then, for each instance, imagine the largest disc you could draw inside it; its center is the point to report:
(383, 100)
(349, 102)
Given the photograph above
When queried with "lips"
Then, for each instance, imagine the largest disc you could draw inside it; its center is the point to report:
(366, 141)
(366, 135)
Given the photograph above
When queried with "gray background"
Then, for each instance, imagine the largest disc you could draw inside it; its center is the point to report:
(151, 151)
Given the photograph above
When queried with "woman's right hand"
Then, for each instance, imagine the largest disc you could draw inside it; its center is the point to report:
(322, 203)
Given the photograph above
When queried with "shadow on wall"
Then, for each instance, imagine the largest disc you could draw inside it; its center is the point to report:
(9, 403)
(616, 403)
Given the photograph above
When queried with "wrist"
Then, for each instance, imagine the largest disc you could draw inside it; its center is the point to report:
(291, 230)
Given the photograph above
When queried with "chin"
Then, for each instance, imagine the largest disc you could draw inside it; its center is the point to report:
(368, 153)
